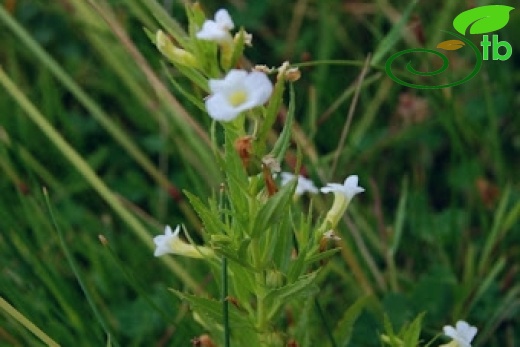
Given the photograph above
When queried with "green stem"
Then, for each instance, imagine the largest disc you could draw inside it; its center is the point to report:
(75, 270)
(225, 303)
(260, 313)
(356, 63)
(11, 311)
(324, 321)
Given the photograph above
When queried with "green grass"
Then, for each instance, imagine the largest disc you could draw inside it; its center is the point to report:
(95, 120)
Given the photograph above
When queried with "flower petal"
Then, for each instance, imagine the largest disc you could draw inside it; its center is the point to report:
(220, 109)
(252, 89)
(259, 87)
(223, 19)
(332, 188)
(450, 331)
(163, 243)
(351, 188)
(213, 32)
(233, 79)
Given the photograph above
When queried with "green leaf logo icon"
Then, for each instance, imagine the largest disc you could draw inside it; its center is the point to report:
(483, 19)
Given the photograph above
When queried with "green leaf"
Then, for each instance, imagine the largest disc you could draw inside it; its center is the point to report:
(390, 40)
(212, 310)
(413, 331)
(321, 256)
(281, 246)
(483, 19)
(210, 219)
(272, 112)
(303, 287)
(243, 282)
(400, 217)
(281, 145)
(274, 209)
(344, 328)
(238, 50)
(237, 182)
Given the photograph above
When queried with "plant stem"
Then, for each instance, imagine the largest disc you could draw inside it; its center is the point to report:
(225, 303)
(324, 321)
(75, 270)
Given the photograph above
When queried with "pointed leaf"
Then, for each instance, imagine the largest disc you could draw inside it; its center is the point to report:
(344, 328)
(483, 19)
(212, 223)
(321, 256)
(274, 208)
(281, 145)
(413, 331)
(212, 310)
(303, 287)
(238, 49)
(451, 45)
(237, 181)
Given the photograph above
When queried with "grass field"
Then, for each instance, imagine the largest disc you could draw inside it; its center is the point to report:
(91, 111)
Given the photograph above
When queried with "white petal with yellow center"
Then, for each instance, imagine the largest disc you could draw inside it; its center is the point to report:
(237, 92)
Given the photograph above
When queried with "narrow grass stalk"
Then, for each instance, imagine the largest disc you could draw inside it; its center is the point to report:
(225, 302)
(90, 176)
(76, 271)
(13, 312)
(494, 236)
(133, 281)
(324, 322)
(350, 115)
(95, 111)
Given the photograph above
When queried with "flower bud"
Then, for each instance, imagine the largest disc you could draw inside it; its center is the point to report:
(174, 54)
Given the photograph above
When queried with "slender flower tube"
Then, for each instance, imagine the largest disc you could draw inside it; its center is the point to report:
(343, 193)
(238, 91)
(462, 334)
(170, 243)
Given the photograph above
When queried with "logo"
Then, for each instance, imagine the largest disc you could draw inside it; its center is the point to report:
(478, 21)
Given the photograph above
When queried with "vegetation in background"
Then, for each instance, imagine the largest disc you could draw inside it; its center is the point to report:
(89, 110)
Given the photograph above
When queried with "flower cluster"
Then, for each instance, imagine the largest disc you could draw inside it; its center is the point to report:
(343, 193)
(254, 216)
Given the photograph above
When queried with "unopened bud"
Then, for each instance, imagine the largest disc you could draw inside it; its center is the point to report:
(293, 74)
(282, 69)
(248, 38)
(174, 54)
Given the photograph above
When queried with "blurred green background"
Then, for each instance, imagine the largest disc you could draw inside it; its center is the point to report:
(436, 230)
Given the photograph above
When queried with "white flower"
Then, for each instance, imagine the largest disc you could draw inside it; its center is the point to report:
(218, 29)
(303, 186)
(343, 193)
(237, 92)
(463, 333)
(164, 244)
(170, 243)
(349, 188)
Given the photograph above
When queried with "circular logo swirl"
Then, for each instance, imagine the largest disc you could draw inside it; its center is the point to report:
(445, 64)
